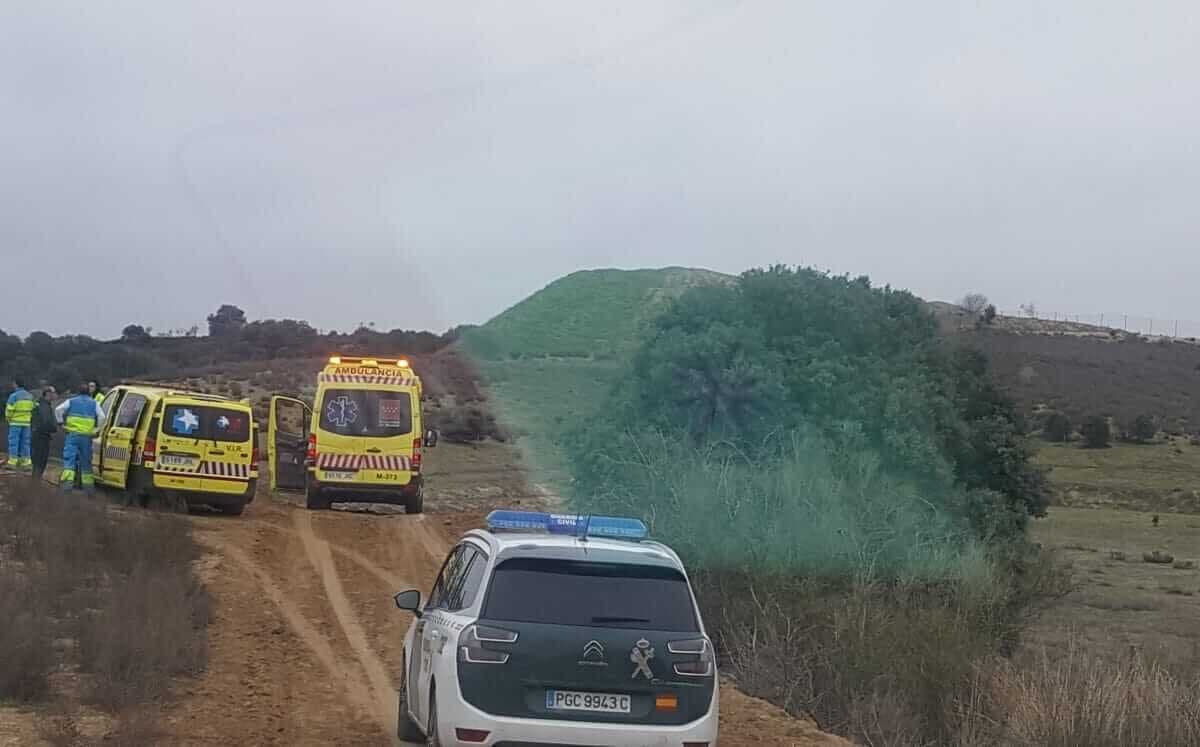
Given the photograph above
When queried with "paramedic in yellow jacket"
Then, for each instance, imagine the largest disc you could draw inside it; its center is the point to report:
(18, 411)
(81, 417)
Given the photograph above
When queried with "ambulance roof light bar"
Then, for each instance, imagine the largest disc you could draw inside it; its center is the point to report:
(337, 360)
(575, 525)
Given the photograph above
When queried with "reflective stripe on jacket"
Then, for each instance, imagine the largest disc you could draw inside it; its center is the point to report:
(20, 407)
(80, 414)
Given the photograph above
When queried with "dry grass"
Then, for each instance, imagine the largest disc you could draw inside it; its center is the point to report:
(884, 665)
(1082, 699)
(106, 596)
(1122, 602)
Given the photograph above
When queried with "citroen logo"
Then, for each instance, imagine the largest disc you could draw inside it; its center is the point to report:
(593, 650)
(593, 655)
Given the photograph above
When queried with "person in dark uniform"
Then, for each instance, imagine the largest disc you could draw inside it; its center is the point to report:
(44, 427)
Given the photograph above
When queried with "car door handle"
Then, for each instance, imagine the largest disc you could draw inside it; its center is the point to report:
(373, 450)
(216, 453)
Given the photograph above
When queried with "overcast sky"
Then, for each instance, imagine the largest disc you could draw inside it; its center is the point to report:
(423, 164)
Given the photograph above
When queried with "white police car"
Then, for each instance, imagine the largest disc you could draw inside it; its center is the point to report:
(550, 629)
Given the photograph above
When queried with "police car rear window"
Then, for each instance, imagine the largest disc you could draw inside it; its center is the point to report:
(366, 412)
(588, 594)
(206, 422)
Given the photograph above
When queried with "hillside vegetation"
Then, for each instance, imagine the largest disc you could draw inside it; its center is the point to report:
(1083, 370)
(590, 313)
(69, 360)
(549, 360)
(742, 419)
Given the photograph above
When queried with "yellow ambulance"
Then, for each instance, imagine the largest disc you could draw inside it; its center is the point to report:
(156, 440)
(360, 440)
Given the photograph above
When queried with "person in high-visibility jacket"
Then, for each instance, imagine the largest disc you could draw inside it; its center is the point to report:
(18, 411)
(81, 417)
(95, 393)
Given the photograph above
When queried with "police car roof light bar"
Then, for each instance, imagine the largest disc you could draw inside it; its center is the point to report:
(576, 525)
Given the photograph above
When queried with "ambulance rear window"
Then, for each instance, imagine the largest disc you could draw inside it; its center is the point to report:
(366, 413)
(206, 423)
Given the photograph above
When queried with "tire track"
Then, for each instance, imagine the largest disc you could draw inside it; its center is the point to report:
(357, 691)
(381, 699)
(391, 580)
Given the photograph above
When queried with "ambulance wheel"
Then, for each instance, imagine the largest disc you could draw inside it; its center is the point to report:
(415, 503)
(313, 498)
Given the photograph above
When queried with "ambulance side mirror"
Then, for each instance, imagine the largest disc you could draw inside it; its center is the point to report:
(431, 437)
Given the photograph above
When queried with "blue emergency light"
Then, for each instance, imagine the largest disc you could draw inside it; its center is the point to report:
(576, 525)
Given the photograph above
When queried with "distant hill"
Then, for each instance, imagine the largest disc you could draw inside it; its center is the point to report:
(590, 313)
(1084, 369)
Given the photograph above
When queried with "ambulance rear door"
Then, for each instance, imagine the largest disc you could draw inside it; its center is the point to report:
(373, 429)
(287, 442)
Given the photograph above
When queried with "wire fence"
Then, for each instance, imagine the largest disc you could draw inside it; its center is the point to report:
(1145, 325)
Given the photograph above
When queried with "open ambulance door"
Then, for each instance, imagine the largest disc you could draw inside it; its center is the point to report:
(287, 442)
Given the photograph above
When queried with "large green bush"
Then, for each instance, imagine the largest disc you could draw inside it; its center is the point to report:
(861, 372)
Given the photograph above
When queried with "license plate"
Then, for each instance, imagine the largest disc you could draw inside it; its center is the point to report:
(570, 700)
(338, 475)
(171, 460)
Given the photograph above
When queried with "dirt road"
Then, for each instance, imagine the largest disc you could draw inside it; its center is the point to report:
(306, 644)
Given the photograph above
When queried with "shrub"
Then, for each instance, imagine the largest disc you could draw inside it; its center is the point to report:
(1143, 429)
(120, 584)
(989, 314)
(1095, 432)
(25, 643)
(1056, 426)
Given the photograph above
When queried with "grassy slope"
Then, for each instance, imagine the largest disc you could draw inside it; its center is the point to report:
(1158, 477)
(550, 359)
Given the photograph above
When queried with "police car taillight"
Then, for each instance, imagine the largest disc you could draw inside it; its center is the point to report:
(701, 649)
(576, 525)
(473, 639)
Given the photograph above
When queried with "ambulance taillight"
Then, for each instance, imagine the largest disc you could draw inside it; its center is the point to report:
(416, 455)
(311, 455)
(150, 450)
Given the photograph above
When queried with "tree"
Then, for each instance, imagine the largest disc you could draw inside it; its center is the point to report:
(1096, 433)
(974, 303)
(135, 333)
(228, 320)
(1056, 427)
(1143, 429)
(989, 313)
(866, 370)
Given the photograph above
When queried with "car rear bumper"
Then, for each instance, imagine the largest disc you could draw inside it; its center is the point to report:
(504, 731)
(207, 491)
(362, 492)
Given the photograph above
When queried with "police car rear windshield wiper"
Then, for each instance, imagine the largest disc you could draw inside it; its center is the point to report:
(605, 619)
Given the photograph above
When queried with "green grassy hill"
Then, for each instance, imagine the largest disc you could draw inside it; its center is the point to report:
(549, 360)
(590, 313)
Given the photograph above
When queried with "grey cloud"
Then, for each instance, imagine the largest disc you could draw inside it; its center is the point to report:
(421, 166)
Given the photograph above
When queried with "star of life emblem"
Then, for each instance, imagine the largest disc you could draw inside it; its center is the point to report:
(641, 655)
